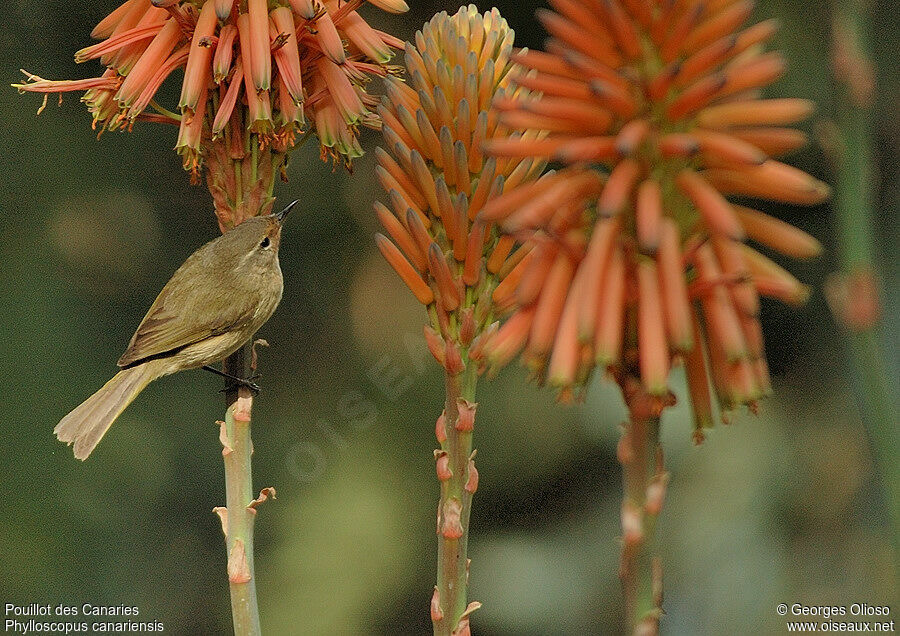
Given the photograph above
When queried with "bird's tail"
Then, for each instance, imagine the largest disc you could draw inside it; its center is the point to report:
(86, 425)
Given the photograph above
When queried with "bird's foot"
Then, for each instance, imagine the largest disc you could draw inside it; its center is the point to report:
(236, 382)
(246, 383)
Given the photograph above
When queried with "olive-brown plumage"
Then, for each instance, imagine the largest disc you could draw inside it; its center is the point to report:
(214, 303)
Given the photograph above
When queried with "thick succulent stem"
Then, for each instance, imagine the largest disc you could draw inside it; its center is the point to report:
(459, 480)
(239, 514)
(644, 491)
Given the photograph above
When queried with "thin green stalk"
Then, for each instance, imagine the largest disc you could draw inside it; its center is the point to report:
(240, 513)
(459, 479)
(164, 111)
(644, 482)
(854, 206)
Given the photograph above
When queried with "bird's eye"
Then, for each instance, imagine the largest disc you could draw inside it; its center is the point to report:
(265, 243)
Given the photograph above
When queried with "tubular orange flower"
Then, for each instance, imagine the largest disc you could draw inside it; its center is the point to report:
(659, 100)
(272, 48)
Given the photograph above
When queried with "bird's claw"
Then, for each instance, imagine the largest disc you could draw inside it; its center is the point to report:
(248, 383)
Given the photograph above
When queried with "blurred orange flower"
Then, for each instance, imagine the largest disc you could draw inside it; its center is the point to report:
(654, 108)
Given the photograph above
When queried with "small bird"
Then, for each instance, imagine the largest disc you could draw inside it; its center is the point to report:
(214, 303)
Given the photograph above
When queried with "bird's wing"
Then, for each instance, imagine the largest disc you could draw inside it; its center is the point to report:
(185, 313)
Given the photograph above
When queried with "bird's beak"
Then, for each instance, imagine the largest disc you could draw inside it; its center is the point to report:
(281, 216)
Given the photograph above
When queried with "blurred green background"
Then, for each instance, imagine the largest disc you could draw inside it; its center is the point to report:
(783, 507)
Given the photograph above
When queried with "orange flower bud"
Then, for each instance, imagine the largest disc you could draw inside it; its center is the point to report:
(771, 180)
(226, 107)
(716, 211)
(436, 345)
(618, 188)
(648, 215)
(467, 326)
(678, 316)
(652, 346)
(446, 286)
(453, 363)
(698, 386)
(406, 272)
(608, 339)
(401, 236)
(223, 9)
